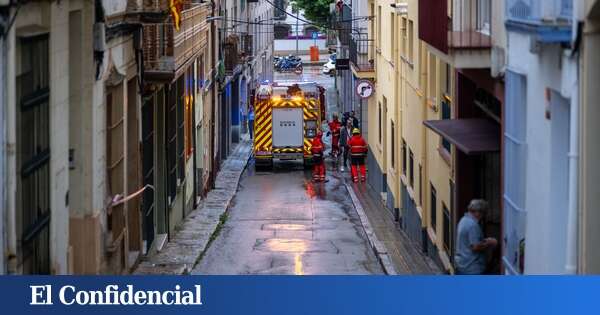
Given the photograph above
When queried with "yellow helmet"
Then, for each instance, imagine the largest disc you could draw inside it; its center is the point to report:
(355, 131)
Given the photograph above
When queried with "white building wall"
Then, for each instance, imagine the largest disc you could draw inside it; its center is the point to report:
(2, 159)
(546, 71)
(59, 142)
(54, 17)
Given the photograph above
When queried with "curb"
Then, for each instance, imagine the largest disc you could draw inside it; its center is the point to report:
(157, 267)
(378, 247)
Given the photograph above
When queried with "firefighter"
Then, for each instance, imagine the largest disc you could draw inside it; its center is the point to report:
(358, 154)
(318, 160)
(334, 130)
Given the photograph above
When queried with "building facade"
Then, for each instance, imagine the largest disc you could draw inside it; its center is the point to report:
(109, 130)
(540, 138)
(178, 84)
(4, 14)
(588, 256)
(434, 82)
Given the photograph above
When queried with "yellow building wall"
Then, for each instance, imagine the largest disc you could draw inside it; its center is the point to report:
(411, 81)
(384, 99)
(439, 165)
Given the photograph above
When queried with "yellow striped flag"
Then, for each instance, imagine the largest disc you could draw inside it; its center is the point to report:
(176, 6)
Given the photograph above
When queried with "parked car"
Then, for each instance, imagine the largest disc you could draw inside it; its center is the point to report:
(329, 67)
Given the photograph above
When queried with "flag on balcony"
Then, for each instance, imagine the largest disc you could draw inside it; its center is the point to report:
(175, 7)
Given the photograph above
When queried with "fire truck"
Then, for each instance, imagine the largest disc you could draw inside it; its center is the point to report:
(288, 116)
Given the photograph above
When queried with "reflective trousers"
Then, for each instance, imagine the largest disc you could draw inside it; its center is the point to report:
(319, 171)
(358, 163)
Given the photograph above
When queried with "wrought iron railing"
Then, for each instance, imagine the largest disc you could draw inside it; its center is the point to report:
(166, 49)
(362, 52)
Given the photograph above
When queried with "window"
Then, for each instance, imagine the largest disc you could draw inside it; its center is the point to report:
(432, 76)
(200, 75)
(411, 47)
(181, 128)
(484, 10)
(446, 114)
(393, 146)
(404, 157)
(379, 16)
(171, 139)
(379, 115)
(411, 169)
(447, 230)
(404, 36)
(33, 158)
(420, 184)
(514, 172)
(433, 208)
(393, 41)
(188, 113)
(448, 80)
(371, 21)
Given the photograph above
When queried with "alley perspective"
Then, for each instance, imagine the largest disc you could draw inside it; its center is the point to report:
(294, 137)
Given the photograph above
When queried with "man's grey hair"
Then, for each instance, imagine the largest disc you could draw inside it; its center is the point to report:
(478, 205)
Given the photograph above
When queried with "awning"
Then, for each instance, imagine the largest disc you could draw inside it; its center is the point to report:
(471, 136)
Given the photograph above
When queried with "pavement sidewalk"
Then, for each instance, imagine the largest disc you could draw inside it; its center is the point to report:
(186, 247)
(396, 252)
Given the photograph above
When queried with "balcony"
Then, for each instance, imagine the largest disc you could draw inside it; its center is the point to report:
(458, 29)
(362, 52)
(549, 20)
(168, 52)
(237, 49)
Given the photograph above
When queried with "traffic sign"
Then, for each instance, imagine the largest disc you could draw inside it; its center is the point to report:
(365, 89)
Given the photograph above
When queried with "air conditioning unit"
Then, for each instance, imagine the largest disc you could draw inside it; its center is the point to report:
(401, 8)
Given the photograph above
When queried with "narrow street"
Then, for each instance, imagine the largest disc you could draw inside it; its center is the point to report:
(280, 222)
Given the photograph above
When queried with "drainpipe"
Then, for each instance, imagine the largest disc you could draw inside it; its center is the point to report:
(3, 181)
(572, 218)
(572, 224)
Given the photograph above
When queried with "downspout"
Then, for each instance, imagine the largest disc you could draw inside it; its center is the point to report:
(3, 197)
(572, 217)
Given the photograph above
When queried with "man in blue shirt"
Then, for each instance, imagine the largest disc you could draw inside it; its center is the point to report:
(470, 257)
(251, 121)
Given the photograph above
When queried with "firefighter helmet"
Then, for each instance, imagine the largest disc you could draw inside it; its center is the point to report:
(355, 131)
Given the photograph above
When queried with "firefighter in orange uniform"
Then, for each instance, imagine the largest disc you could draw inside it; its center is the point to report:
(318, 159)
(358, 153)
(334, 128)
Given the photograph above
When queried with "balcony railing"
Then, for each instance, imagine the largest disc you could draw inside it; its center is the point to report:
(232, 53)
(467, 28)
(362, 52)
(540, 11)
(166, 50)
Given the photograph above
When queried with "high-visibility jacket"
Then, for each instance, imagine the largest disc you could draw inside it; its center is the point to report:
(317, 148)
(335, 127)
(358, 146)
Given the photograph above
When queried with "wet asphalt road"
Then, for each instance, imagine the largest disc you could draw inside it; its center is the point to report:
(282, 223)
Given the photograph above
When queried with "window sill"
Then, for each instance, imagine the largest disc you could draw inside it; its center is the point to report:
(446, 156)
(410, 63)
